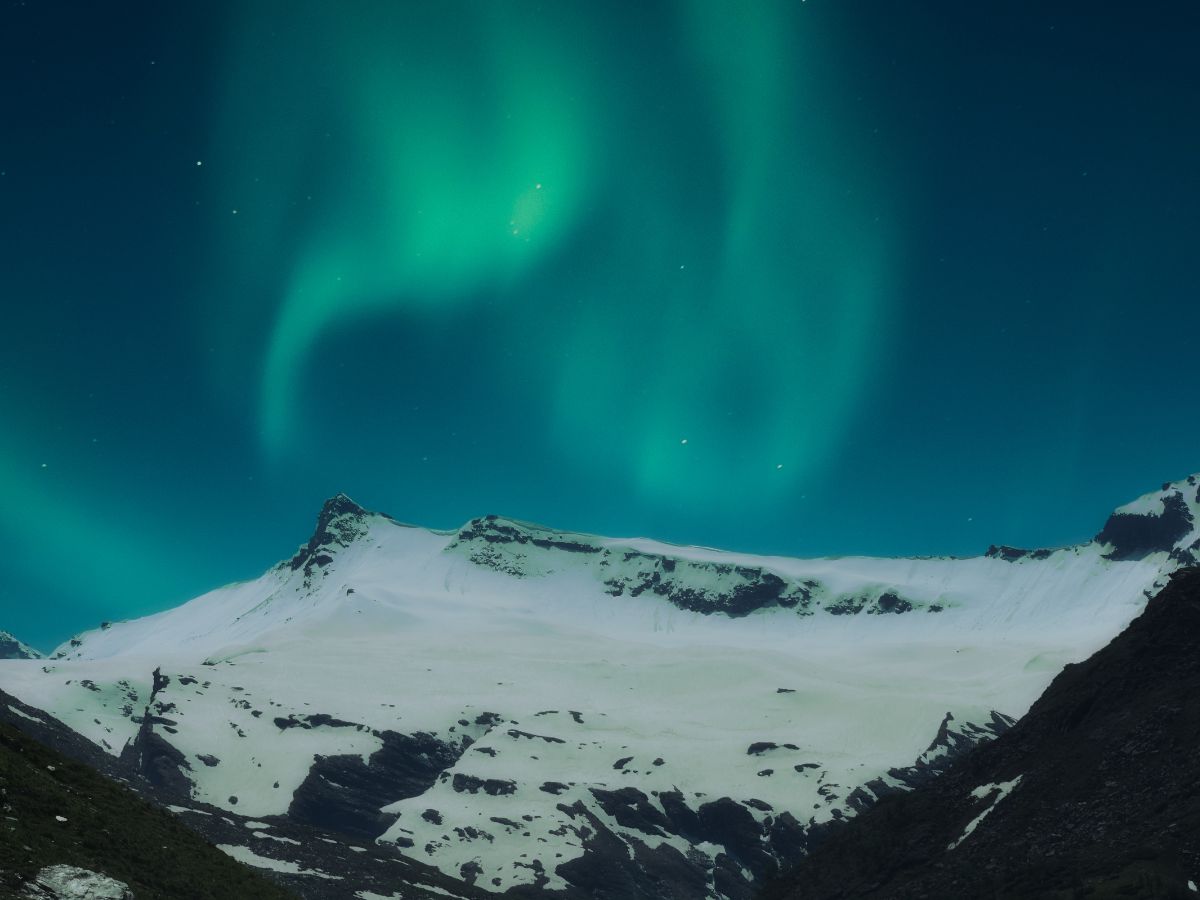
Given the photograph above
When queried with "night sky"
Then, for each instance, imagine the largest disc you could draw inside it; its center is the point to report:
(806, 278)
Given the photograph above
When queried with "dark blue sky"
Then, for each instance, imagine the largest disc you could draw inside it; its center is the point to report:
(831, 277)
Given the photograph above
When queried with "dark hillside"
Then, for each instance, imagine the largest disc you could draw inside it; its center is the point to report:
(1108, 802)
(56, 811)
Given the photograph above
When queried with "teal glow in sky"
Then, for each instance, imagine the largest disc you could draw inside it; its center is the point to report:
(791, 278)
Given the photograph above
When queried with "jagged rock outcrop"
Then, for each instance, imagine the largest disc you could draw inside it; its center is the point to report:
(340, 522)
(151, 755)
(524, 550)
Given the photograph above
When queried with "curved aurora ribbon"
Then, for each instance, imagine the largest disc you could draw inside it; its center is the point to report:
(455, 150)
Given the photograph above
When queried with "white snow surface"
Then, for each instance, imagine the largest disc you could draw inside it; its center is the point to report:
(250, 858)
(412, 630)
(993, 793)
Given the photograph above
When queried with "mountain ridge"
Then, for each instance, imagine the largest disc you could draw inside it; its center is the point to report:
(529, 710)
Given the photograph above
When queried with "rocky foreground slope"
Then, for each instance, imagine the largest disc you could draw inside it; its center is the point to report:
(514, 709)
(1095, 792)
(66, 830)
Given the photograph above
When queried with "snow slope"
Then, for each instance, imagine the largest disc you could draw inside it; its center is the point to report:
(519, 706)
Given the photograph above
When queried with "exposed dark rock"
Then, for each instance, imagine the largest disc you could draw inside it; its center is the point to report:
(343, 794)
(760, 747)
(684, 820)
(469, 784)
(317, 720)
(1136, 536)
(950, 743)
(750, 588)
(729, 823)
(495, 530)
(605, 870)
(151, 755)
(891, 602)
(1006, 553)
(633, 809)
(514, 733)
(340, 523)
(847, 606)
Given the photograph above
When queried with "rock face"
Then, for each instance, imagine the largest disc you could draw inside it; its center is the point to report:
(1162, 522)
(73, 883)
(344, 793)
(1096, 792)
(151, 755)
(11, 648)
(340, 522)
(710, 587)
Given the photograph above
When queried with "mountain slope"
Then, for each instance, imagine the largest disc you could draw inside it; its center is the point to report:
(313, 864)
(549, 712)
(1096, 790)
(57, 812)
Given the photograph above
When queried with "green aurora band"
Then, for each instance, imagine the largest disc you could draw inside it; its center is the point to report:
(442, 156)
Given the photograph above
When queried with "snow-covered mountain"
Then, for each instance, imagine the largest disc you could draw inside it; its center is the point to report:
(11, 648)
(558, 713)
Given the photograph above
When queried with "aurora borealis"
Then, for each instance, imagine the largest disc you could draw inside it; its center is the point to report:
(803, 278)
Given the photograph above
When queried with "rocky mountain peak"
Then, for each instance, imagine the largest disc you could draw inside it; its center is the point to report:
(1163, 521)
(11, 648)
(339, 524)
